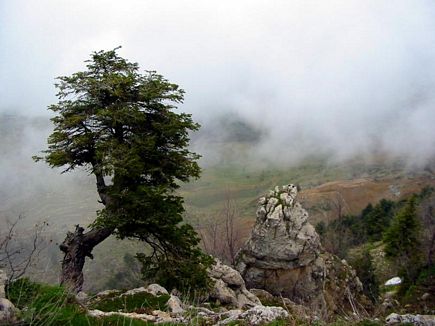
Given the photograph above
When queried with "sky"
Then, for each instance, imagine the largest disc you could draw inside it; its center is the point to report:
(342, 77)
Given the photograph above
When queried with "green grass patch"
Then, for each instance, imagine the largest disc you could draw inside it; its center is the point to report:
(48, 305)
(140, 302)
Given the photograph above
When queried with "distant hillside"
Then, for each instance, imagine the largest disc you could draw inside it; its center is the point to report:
(41, 193)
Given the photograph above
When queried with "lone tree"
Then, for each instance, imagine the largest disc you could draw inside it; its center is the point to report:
(120, 126)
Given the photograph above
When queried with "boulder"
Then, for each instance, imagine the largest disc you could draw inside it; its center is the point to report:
(229, 287)
(421, 320)
(284, 256)
(7, 312)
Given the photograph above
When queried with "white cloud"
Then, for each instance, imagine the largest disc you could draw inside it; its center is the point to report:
(335, 75)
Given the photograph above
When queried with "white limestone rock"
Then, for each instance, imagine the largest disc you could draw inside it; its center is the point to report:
(393, 281)
(229, 287)
(259, 315)
(284, 256)
(420, 320)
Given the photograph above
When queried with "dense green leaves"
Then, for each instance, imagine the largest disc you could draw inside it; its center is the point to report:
(120, 125)
(402, 237)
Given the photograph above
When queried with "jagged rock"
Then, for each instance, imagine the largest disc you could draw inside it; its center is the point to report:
(257, 315)
(421, 320)
(175, 305)
(229, 287)
(284, 256)
(3, 279)
(7, 312)
(156, 289)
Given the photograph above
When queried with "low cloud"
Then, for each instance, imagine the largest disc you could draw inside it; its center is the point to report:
(336, 78)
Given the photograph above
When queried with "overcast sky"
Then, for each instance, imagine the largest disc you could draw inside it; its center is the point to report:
(341, 76)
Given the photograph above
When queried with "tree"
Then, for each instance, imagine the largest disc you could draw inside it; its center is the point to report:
(19, 248)
(221, 234)
(120, 126)
(402, 241)
(377, 219)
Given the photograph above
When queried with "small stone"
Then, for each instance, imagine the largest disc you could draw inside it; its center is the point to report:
(82, 297)
(156, 289)
(175, 305)
(393, 281)
(7, 312)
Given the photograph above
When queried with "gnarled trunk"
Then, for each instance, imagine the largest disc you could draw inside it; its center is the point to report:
(77, 246)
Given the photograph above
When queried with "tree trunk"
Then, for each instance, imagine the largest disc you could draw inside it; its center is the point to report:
(77, 246)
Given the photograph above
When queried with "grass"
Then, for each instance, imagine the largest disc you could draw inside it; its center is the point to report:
(140, 302)
(48, 305)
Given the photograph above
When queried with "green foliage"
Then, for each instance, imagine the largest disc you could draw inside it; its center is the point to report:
(350, 231)
(120, 125)
(376, 219)
(366, 273)
(185, 273)
(402, 243)
(278, 322)
(139, 302)
(402, 237)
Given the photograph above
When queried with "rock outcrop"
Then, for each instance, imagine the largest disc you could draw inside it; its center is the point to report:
(133, 304)
(285, 257)
(229, 287)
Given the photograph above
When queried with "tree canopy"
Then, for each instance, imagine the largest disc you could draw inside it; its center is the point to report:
(120, 125)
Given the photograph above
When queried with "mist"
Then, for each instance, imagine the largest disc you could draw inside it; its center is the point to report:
(332, 78)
